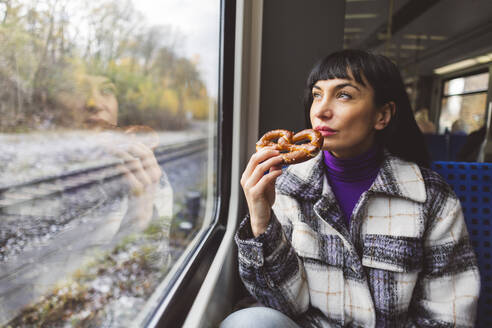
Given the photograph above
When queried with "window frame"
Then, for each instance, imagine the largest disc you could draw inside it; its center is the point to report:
(186, 281)
(478, 69)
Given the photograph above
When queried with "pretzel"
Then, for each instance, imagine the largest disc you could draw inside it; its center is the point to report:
(149, 137)
(289, 145)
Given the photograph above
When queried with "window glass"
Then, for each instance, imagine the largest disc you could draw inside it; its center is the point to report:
(462, 114)
(108, 156)
(463, 104)
(473, 83)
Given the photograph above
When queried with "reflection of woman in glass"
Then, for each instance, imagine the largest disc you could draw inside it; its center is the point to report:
(364, 234)
(94, 105)
(101, 103)
(85, 216)
(91, 98)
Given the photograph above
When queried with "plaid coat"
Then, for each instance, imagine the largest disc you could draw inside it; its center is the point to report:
(405, 260)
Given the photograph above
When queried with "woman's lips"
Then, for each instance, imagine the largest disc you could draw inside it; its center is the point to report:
(325, 131)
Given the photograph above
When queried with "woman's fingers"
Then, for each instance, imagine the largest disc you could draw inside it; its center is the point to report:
(136, 187)
(147, 159)
(266, 181)
(261, 191)
(256, 159)
(139, 166)
(275, 167)
(258, 182)
(260, 169)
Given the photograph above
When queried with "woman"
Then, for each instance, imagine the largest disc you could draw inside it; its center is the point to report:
(364, 234)
(94, 105)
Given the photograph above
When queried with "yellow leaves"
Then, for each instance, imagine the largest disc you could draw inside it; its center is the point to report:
(198, 107)
(170, 100)
(149, 96)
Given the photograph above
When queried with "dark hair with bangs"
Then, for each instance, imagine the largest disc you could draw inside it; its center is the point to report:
(402, 137)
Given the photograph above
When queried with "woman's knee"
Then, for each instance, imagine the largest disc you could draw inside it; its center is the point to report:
(258, 317)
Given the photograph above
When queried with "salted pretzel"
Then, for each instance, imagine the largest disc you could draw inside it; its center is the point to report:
(290, 144)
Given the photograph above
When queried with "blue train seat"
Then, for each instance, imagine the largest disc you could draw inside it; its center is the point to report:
(456, 142)
(444, 147)
(438, 146)
(472, 183)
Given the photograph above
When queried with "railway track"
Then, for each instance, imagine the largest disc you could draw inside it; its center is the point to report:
(65, 233)
(17, 194)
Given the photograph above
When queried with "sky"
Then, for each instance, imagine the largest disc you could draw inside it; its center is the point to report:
(199, 23)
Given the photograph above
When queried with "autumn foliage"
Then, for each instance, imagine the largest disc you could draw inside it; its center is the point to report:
(47, 45)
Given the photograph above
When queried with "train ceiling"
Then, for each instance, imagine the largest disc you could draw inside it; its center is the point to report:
(419, 31)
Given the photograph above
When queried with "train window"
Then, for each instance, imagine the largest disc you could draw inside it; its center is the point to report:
(463, 103)
(109, 154)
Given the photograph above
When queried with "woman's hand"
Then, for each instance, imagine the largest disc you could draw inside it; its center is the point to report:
(142, 174)
(259, 188)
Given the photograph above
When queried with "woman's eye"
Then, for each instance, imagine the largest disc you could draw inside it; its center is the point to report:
(107, 91)
(344, 95)
(316, 95)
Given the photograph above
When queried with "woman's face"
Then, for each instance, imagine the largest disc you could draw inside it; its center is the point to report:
(100, 99)
(93, 98)
(344, 112)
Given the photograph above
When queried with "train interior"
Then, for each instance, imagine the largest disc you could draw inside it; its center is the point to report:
(432, 42)
(89, 237)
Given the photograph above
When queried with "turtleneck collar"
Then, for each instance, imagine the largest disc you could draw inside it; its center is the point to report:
(361, 167)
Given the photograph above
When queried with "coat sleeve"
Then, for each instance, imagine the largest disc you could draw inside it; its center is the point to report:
(270, 268)
(447, 292)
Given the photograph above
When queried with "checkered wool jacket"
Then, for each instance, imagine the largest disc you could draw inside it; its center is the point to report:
(405, 260)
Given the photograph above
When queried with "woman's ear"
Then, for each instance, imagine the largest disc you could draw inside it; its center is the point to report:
(384, 115)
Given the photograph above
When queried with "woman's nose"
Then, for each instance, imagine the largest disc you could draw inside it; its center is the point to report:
(91, 105)
(324, 109)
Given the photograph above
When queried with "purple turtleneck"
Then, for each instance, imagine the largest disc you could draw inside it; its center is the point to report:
(349, 178)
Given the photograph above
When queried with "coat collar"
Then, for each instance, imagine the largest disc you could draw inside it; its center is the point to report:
(396, 178)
